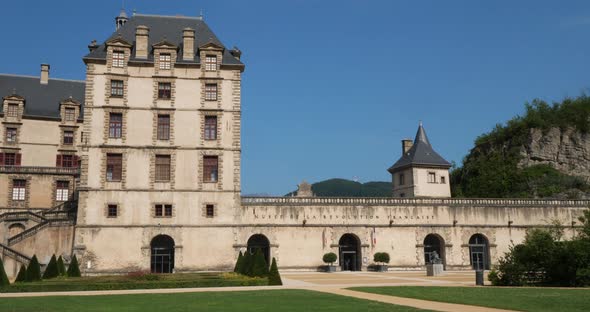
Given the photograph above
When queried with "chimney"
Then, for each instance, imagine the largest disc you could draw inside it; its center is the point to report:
(141, 42)
(92, 46)
(235, 52)
(188, 44)
(406, 145)
(44, 73)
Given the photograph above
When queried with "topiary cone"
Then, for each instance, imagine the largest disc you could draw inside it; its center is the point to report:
(239, 262)
(51, 270)
(274, 277)
(22, 274)
(61, 267)
(74, 268)
(3, 277)
(33, 270)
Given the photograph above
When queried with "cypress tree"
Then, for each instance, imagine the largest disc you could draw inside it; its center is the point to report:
(61, 267)
(51, 270)
(3, 277)
(22, 274)
(238, 266)
(73, 268)
(246, 263)
(274, 278)
(33, 270)
(259, 265)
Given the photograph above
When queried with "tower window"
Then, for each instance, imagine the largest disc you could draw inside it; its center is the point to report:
(112, 211)
(210, 127)
(115, 125)
(114, 167)
(211, 92)
(117, 88)
(443, 180)
(165, 61)
(402, 179)
(431, 177)
(161, 210)
(210, 168)
(163, 127)
(210, 63)
(19, 189)
(68, 138)
(12, 110)
(164, 90)
(11, 135)
(10, 159)
(70, 114)
(163, 168)
(210, 210)
(62, 191)
(118, 59)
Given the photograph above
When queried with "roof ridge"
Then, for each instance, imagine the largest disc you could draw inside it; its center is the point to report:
(198, 18)
(37, 77)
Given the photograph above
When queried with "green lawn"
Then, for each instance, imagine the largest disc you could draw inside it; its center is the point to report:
(522, 299)
(242, 301)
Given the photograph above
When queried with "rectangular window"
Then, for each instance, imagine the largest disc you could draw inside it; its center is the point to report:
(118, 59)
(10, 159)
(70, 114)
(164, 90)
(67, 161)
(210, 168)
(163, 210)
(165, 61)
(68, 137)
(210, 63)
(19, 189)
(117, 88)
(11, 135)
(431, 177)
(163, 127)
(114, 167)
(211, 92)
(115, 125)
(402, 179)
(12, 110)
(63, 190)
(210, 127)
(163, 168)
(443, 180)
(210, 210)
(112, 211)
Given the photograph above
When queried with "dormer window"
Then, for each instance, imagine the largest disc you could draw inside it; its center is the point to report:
(210, 63)
(118, 59)
(70, 114)
(12, 110)
(165, 61)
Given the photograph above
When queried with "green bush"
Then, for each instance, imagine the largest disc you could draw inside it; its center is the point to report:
(51, 271)
(246, 264)
(22, 274)
(74, 268)
(259, 265)
(3, 277)
(274, 277)
(33, 270)
(239, 263)
(330, 258)
(381, 257)
(61, 267)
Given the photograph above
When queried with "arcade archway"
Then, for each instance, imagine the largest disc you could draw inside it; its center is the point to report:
(349, 250)
(162, 254)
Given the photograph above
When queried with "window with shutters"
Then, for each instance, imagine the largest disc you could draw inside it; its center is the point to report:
(210, 63)
(163, 127)
(115, 125)
(19, 189)
(165, 61)
(163, 168)
(66, 161)
(68, 138)
(11, 135)
(118, 58)
(162, 210)
(114, 167)
(112, 211)
(12, 110)
(62, 191)
(211, 92)
(210, 168)
(117, 88)
(164, 90)
(210, 127)
(210, 210)
(10, 159)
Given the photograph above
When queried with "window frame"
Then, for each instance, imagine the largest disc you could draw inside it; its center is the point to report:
(115, 126)
(165, 61)
(431, 177)
(68, 137)
(11, 134)
(162, 170)
(13, 159)
(164, 90)
(163, 210)
(118, 58)
(117, 88)
(112, 210)
(210, 210)
(12, 110)
(163, 127)
(210, 169)
(210, 62)
(114, 167)
(62, 191)
(210, 92)
(210, 128)
(19, 189)
(402, 179)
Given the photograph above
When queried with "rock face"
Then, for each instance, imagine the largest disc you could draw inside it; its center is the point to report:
(566, 150)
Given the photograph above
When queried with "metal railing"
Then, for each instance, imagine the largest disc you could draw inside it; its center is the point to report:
(39, 170)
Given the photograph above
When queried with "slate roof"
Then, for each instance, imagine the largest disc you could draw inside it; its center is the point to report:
(42, 100)
(420, 154)
(168, 28)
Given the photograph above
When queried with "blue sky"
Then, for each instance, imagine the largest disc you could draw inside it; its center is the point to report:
(331, 87)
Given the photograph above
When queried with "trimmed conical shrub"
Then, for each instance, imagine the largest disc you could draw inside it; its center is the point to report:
(74, 268)
(259, 265)
(33, 270)
(274, 278)
(22, 274)
(239, 262)
(246, 263)
(61, 267)
(3, 277)
(51, 270)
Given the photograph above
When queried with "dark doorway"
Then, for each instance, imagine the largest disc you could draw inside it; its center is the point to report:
(349, 248)
(259, 241)
(162, 259)
(479, 252)
(434, 243)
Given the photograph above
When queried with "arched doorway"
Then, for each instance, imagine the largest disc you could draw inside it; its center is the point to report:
(434, 243)
(349, 249)
(15, 229)
(479, 252)
(162, 258)
(259, 241)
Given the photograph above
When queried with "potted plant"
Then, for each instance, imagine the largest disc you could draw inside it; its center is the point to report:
(330, 258)
(382, 259)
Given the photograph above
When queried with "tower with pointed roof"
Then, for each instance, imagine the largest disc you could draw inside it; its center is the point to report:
(420, 171)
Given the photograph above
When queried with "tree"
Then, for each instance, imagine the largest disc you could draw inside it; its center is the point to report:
(330, 258)
(381, 257)
(22, 274)
(33, 270)
(51, 271)
(239, 262)
(61, 267)
(259, 265)
(74, 268)
(246, 263)
(274, 277)
(3, 277)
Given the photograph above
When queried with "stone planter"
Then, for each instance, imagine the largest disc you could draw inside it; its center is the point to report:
(382, 268)
(330, 269)
(434, 269)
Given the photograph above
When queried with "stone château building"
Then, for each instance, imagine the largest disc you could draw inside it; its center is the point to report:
(138, 168)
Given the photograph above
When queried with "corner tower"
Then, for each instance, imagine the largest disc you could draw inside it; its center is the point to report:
(420, 171)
